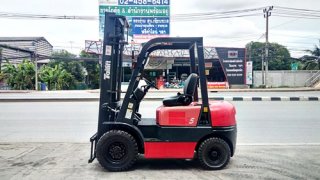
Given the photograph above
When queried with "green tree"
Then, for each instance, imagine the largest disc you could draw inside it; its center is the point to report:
(20, 77)
(56, 78)
(312, 62)
(1, 76)
(66, 61)
(92, 68)
(279, 56)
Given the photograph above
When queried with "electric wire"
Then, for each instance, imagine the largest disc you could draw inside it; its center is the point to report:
(278, 11)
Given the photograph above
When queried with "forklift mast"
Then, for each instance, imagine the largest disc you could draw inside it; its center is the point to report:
(115, 37)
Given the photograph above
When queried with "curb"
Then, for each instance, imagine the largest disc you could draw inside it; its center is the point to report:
(177, 90)
(266, 98)
(311, 98)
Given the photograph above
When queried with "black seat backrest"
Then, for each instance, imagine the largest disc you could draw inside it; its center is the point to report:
(186, 98)
(190, 84)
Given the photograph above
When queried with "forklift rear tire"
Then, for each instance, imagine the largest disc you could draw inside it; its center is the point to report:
(214, 154)
(117, 150)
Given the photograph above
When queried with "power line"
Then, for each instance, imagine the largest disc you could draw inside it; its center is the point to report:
(214, 17)
(42, 57)
(296, 13)
(218, 12)
(278, 11)
(44, 16)
(176, 17)
(297, 36)
(287, 22)
(292, 16)
(296, 9)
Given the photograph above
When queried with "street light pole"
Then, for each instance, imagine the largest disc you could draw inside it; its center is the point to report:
(267, 13)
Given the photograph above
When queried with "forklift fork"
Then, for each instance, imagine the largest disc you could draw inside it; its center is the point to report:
(93, 141)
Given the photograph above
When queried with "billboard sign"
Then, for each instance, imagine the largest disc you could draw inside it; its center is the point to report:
(140, 11)
(144, 2)
(233, 62)
(150, 25)
(147, 18)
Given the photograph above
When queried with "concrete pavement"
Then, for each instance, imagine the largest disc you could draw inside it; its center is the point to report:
(69, 161)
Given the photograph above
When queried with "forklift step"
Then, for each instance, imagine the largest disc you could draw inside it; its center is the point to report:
(147, 122)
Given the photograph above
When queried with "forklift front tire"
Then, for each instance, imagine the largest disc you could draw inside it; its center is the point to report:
(214, 154)
(117, 150)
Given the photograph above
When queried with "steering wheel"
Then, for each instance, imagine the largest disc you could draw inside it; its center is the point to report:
(149, 83)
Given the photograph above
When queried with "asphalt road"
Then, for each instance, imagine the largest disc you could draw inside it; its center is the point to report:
(258, 122)
(276, 140)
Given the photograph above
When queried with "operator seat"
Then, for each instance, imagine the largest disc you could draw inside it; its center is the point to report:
(186, 98)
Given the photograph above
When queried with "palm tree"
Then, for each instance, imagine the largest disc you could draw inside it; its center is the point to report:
(56, 77)
(47, 75)
(20, 77)
(313, 62)
(65, 79)
(1, 77)
(9, 72)
(25, 76)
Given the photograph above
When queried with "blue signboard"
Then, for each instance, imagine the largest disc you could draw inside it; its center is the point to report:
(144, 2)
(147, 18)
(150, 25)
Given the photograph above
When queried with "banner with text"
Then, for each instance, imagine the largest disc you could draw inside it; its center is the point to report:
(249, 73)
(147, 18)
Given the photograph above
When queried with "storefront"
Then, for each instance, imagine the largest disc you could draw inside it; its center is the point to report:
(225, 69)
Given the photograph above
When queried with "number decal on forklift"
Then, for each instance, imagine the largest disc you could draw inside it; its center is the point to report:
(191, 121)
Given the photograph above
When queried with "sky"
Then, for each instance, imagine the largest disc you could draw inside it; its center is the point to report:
(297, 34)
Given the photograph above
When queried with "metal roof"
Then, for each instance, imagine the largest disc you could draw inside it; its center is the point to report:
(12, 39)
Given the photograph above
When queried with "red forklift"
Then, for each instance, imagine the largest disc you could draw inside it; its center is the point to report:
(185, 126)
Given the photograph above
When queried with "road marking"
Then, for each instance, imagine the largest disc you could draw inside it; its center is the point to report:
(278, 144)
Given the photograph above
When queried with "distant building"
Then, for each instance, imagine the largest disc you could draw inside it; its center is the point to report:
(16, 49)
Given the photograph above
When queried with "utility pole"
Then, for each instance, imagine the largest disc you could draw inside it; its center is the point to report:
(262, 70)
(318, 57)
(36, 67)
(250, 49)
(0, 58)
(267, 13)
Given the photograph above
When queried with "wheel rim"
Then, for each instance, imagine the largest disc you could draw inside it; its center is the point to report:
(215, 156)
(116, 151)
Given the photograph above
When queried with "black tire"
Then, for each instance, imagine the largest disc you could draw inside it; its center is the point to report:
(214, 154)
(117, 150)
